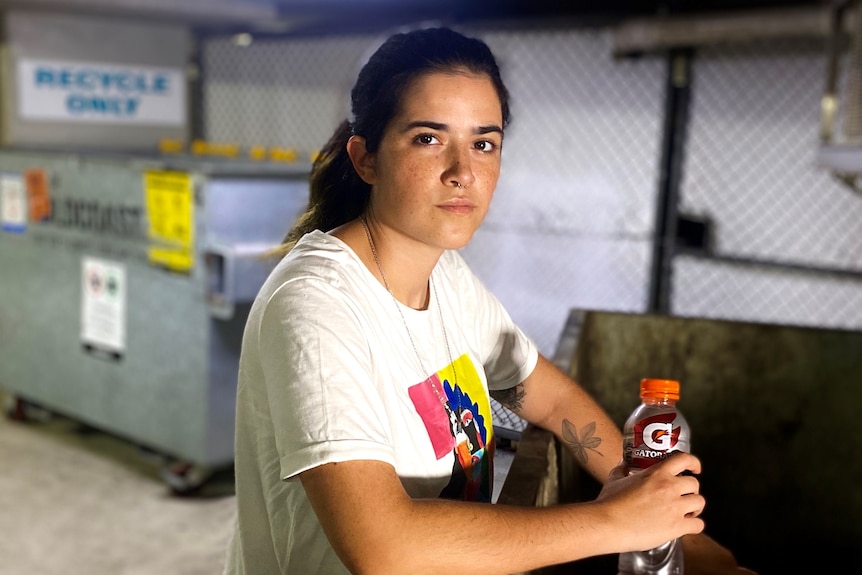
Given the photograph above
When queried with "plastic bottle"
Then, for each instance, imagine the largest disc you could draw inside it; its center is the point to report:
(654, 430)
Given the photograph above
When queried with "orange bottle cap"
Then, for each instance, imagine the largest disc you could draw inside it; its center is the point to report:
(660, 388)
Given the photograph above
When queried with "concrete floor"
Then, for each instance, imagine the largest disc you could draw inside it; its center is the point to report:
(75, 501)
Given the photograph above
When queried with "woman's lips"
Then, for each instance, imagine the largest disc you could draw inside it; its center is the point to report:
(458, 206)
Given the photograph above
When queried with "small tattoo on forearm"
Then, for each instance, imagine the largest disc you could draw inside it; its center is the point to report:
(587, 441)
(511, 398)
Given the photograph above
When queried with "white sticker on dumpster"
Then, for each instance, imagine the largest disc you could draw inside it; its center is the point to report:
(103, 306)
(13, 203)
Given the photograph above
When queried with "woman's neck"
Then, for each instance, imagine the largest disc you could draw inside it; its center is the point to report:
(404, 272)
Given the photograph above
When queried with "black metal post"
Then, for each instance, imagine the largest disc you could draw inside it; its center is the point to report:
(195, 74)
(677, 97)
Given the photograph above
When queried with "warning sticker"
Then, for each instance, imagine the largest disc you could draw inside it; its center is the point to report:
(13, 203)
(170, 210)
(103, 306)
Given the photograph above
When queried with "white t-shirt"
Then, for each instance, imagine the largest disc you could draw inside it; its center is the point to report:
(328, 372)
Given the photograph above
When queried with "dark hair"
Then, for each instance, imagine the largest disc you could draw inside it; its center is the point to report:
(337, 193)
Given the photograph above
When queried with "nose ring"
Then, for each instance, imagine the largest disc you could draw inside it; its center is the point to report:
(460, 187)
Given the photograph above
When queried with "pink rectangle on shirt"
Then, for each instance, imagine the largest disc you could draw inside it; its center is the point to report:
(433, 414)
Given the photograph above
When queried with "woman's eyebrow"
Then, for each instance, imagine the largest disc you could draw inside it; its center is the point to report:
(445, 127)
(489, 129)
(426, 124)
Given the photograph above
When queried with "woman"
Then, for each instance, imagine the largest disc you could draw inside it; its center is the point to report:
(364, 439)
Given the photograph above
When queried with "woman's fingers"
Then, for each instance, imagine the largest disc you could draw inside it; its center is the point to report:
(695, 505)
(618, 472)
(689, 486)
(681, 463)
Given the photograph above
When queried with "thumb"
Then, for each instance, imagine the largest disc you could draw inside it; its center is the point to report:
(618, 472)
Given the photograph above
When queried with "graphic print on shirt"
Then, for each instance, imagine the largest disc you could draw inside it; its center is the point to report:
(426, 398)
(467, 402)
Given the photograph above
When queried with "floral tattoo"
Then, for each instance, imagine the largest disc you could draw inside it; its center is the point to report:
(579, 446)
(510, 398)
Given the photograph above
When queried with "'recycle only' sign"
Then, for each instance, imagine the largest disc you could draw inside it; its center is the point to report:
(91, 92)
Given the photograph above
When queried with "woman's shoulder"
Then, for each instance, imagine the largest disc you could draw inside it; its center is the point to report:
(317, 259)
(319, 246)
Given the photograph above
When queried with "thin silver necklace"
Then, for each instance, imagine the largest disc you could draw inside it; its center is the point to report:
(443, 400)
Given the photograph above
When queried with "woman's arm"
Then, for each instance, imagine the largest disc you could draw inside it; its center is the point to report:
(375, 527)
(554, 401)
(550, 399)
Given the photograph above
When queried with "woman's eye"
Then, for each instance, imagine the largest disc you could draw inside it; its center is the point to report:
(486, 146)
(426, 139)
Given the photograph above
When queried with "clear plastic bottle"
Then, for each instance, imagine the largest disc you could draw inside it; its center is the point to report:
(654, 430)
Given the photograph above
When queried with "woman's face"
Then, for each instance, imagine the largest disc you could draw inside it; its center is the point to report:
(448, 131)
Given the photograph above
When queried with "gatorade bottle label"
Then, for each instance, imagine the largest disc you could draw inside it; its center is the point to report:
(655, 438)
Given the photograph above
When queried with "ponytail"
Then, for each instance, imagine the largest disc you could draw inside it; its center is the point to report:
(337, 194)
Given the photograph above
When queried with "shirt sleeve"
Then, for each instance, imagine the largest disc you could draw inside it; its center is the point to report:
(508, 355)
(318, 373)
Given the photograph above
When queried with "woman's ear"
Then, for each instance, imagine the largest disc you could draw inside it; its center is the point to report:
(362, 159)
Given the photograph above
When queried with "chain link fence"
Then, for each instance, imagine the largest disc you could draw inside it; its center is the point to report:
(786, 233)
(572, 222)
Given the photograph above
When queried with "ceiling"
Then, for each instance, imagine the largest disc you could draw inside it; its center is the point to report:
(359, 13)
(528, 9)
(339, 16)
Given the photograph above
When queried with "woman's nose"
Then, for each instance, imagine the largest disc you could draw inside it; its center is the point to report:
(460, 171)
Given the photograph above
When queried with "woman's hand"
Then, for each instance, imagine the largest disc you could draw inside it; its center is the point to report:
(654, 505)
(703, 555)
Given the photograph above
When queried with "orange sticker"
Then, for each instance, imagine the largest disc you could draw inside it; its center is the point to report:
(38, 195)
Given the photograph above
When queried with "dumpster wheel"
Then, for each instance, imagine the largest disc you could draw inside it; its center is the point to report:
(20, 409)
(185, 478)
